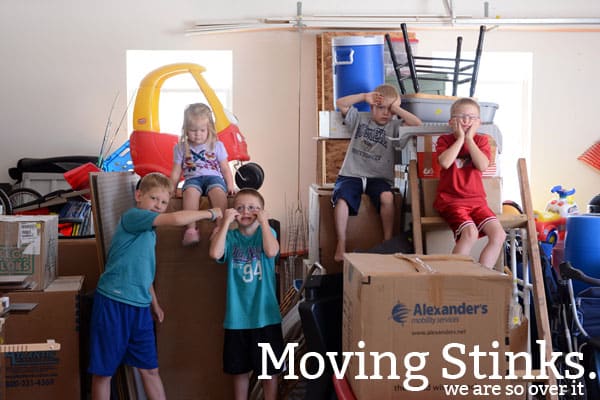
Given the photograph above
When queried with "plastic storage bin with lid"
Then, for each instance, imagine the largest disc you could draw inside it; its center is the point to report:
(432, 108)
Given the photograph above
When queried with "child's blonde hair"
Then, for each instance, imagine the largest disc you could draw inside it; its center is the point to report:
(191, 113)
(464, 101)
(387, 91)
(251, 192)
(155, 180)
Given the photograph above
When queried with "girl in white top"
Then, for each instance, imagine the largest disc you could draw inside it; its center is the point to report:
(202, 160)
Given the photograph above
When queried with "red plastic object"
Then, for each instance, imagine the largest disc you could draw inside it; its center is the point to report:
(79, 177)
(152, 152)
(234, 142)
(343, 390)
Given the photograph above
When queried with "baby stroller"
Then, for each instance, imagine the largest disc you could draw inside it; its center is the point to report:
(579, 321)
(562, 314)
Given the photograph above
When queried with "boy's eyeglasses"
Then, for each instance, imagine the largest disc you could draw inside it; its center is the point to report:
(465, 117)
(250, 209)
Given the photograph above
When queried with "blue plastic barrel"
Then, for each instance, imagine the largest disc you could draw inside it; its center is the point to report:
(357, 66)
(582, 246)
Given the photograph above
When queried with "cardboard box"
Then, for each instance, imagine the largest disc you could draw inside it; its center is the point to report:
(28, 251)
(79, 256)
(46, 374)
(421, 304)
(191, 288)
(428, 162)
(364, 230)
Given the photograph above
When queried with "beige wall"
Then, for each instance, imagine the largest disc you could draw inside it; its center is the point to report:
(62, 64)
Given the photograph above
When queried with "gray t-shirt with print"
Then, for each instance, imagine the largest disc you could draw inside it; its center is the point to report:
(371, 152)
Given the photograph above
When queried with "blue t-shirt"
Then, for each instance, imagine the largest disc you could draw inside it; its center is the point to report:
(131, 263)
(251, 288)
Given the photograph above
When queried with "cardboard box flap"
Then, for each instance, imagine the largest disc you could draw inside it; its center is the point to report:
(422, 263)
(27, 218)
(384, 265)
(66, 284)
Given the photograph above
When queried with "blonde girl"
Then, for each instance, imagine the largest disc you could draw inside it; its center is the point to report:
(202, 160)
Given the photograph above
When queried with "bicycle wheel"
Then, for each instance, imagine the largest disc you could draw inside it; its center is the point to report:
(21, 196)
(5, 207)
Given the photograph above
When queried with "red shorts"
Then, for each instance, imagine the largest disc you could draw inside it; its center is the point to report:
(460, 214)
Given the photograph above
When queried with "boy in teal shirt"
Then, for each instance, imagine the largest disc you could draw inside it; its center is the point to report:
(122, 329)
(252, 312)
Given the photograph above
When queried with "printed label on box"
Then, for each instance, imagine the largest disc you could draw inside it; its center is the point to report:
(14, 262)
(29, 237)
(427, 156)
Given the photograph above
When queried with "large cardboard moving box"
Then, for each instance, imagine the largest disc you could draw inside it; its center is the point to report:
(191, 288)
(28, 251)
(46, 374)
(415, 308)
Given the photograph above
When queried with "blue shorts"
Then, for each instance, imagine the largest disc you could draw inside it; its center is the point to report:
(351, 189)
(241, 353)
(205, 183)
(120, 334)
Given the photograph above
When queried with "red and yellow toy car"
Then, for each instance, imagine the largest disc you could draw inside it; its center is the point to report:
(152, 151)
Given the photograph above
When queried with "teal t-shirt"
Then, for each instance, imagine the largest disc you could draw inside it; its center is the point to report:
(251, 287)
(131, 263)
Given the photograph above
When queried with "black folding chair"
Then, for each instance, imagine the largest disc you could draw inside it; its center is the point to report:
(457, 70)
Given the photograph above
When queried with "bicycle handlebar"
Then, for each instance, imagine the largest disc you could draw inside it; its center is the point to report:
(567, 271)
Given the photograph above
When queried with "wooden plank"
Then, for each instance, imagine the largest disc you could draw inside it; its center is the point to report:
(415, 204)
(330, 157)
(50, 345)
(327, 70)
(320, 90)
(539, 295)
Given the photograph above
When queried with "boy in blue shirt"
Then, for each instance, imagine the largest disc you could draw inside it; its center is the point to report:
(122, 329)
(252, 312)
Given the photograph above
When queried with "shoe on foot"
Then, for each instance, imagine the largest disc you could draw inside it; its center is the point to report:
(190, 237)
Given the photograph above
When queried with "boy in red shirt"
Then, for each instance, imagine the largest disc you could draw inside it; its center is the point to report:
(461, 200)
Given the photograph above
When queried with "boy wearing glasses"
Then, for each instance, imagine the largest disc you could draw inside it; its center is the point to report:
(461, 199)
(369, 163)
(252, 312)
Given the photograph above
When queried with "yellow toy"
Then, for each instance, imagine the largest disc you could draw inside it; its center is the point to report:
(153, 151)
(552, 222)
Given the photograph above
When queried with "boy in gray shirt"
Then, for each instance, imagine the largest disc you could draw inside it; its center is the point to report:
(369, 163)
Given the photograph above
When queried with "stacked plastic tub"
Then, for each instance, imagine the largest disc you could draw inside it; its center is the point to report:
(436, 109)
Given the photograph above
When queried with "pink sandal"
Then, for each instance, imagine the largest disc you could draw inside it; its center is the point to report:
(191, 237)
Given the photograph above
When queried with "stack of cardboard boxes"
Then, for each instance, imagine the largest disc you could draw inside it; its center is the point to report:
(29, 274)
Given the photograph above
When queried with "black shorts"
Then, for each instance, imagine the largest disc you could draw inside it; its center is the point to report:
(241, 353)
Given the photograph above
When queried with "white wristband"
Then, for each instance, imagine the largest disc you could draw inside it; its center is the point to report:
(213, 214)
